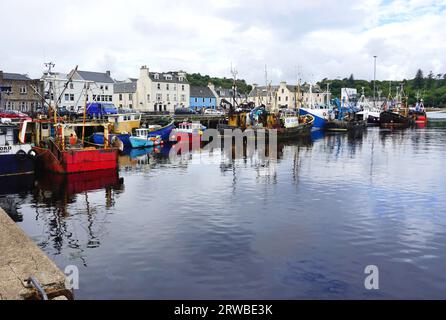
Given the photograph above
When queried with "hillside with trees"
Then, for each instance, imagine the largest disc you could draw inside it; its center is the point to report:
(431, 88)
(196, 79)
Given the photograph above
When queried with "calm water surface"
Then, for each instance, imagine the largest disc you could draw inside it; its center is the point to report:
(210, 227)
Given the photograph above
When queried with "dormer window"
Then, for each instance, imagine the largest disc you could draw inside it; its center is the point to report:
(180, 78)
(156, 76)
(168, 77)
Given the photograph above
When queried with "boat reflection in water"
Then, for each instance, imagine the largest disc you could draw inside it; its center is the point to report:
(65, 187)
(131, 159)
(13, 189)
(68, 209)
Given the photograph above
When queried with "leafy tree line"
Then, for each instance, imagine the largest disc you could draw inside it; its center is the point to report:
(196, 79)
(430, 88)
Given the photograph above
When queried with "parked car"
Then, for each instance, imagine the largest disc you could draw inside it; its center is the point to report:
(184, 111)
(99, 110)
(214, 112)
(42, 110)
(64, 112)
(14, 115)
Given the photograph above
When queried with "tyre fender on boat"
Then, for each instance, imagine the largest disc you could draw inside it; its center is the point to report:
(21, 155)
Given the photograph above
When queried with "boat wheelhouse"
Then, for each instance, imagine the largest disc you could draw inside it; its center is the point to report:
(123, 126)
(144, 139)
(16, 157)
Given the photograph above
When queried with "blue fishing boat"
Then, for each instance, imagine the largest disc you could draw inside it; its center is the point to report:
(145, 139)
(16, 157)
(162, 131)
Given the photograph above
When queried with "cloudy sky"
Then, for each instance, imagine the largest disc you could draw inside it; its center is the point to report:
(317, 39)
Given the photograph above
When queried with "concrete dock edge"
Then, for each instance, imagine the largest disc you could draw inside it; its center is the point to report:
(20, 259)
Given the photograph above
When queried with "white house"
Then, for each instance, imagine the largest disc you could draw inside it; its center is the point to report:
(162, 92)
(85, 86)
(125, 95)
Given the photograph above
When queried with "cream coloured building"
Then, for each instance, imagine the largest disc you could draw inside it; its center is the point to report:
(161, 92)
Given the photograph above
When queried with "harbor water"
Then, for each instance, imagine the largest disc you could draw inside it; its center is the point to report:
(304, 226)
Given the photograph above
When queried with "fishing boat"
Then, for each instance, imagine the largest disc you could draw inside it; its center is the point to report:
(145, 139)
(122, 127)
(287, 123)
(60, 151)
(16, 156)
(370, 113)
(318, 112)
(345, 118)
(418, 114)
(161, 127)
(396, 112)
(187, 130)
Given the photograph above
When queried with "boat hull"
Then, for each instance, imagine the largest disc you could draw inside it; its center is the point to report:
(345, 126)
(98, 138)
(139, 143)
(320, 117)
(75, 161)
(15, 160)
(393, 120)
(164, 132)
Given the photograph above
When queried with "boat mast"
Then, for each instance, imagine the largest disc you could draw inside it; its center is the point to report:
(328, 95)
(374, 83)
(234, 73)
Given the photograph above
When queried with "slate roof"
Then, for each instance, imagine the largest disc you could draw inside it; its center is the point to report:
(201, 92)
(125, 87)
(102, 77)
(15, 77)
(162, 77)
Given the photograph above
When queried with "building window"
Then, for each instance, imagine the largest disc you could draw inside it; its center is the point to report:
(23, 106)
(67, 97)
(131, 106)
(165, 108)
(102, 87)
(120, 97)
(283, 91)
(156, 76)
(71, 97)
(159, 96)
(182, 87)
(175, 87)
(196, 99)
(280, 98)
(203, 100)
(120, 106)
(23, 90)
(180, 78)
(183, 98)
(94, 97)
(71, 85)
(148, 98)
(286, 98)
(167, 86)
(174, 97)
(106, 88)
(159, 86)
(168, 97)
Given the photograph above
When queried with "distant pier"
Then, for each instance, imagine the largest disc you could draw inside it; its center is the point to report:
(20, 260)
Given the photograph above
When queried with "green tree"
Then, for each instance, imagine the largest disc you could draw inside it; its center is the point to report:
(419, 79)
